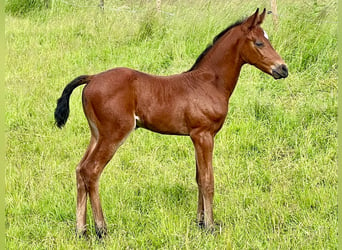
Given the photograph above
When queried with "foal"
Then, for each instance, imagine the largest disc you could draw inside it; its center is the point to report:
(193, 103)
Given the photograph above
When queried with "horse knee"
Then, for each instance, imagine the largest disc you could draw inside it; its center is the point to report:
(206, 187)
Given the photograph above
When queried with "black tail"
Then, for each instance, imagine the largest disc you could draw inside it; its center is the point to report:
(62, 110)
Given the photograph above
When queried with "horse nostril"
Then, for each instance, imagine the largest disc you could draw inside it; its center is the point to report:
(280, 71)
(284, 69)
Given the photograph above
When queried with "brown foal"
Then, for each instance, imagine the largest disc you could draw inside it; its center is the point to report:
(193, 103)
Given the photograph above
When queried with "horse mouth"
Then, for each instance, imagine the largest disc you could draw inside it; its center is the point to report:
(280, 71)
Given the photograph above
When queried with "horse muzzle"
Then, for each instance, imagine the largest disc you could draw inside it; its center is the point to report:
(280, 71)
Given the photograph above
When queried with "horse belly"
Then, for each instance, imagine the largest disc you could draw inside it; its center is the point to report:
(163, 120)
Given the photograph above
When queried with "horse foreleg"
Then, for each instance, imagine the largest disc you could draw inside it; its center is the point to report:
(204, 143)
(200, 207)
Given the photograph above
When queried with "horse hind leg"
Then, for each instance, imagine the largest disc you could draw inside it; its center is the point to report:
(91, 169)
(82, 193)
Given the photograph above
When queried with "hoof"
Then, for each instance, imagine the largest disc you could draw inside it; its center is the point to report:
(101, 232)
(206, 228)
(81, 234)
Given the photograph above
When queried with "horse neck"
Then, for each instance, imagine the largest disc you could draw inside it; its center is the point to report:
(224, 60)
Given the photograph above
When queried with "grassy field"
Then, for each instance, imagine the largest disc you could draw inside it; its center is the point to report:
(274, 160)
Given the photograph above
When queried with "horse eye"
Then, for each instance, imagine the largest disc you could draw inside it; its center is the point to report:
(259, 44)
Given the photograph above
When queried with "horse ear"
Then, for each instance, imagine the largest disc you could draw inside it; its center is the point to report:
(251, 21)
(261, 17)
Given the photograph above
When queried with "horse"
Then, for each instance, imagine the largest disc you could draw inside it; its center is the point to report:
(193, 103)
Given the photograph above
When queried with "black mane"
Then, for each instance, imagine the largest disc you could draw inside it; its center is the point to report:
(216, 38)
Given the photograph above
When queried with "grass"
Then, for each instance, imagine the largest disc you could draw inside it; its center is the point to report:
(275, 158)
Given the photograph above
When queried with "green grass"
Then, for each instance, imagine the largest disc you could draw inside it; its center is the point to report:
(275, 158)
